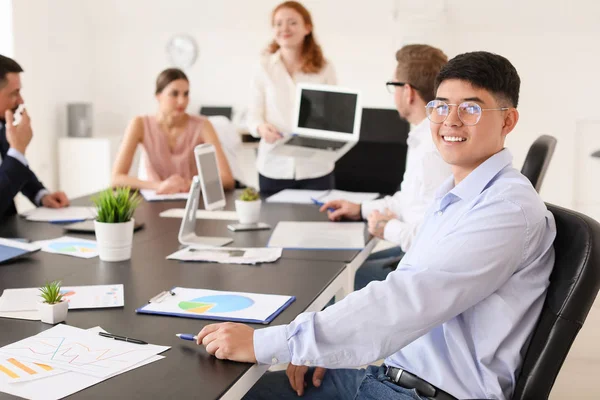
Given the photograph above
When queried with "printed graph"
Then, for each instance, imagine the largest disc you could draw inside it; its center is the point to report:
(18, 370)
(73, 247)
(216, 304)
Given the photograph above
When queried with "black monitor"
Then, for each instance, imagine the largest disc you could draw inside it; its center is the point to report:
(210, 111)
(377, 162)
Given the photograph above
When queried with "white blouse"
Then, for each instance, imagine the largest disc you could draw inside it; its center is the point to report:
(272, 97)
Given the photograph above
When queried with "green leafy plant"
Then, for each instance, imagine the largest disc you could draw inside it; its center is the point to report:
(116, 206)
(50, 292)
(249, 194)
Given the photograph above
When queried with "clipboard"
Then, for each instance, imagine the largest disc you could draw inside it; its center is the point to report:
(217, 305)
(11, 249)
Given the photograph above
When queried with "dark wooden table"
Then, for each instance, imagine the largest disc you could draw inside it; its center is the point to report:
(187, 371)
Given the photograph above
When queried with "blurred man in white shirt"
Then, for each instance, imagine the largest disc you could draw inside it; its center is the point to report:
(397, 218)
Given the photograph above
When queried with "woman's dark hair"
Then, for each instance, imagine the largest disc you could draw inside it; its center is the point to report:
(167, 76)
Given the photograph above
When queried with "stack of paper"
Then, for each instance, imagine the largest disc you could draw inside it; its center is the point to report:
(299, 196)
(228, 255)
(79, 359)
(150, 195)
(66, 214)
(319, 235)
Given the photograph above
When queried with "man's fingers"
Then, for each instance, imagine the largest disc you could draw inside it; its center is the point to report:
(318, 376)
(207, 330)
(290, 372)
(337, 214)
(9, 117)
(299, 379)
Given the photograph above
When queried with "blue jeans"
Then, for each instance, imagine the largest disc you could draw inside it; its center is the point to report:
(370, 383)
(271, 186)
(377, 267)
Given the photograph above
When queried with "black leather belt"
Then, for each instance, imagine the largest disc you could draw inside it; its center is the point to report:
(409, 381)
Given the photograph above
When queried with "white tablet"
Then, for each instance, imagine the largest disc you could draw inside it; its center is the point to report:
(210, 179)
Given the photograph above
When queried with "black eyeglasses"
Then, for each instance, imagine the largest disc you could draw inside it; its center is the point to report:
(390, 85)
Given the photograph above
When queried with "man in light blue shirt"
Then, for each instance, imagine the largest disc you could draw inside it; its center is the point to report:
(454, 319)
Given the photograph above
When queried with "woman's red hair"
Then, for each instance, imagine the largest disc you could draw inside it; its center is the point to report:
(311, 51)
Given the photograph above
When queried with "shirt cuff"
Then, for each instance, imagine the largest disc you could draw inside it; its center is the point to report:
(39, 195)
(368, 207)
(270, 345)
(18, 155)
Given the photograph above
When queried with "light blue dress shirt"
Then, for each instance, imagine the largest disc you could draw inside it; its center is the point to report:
(459, 309)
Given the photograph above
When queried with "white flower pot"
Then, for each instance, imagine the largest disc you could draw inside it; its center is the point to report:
(114, 240)
(53, 313)
(248, 211)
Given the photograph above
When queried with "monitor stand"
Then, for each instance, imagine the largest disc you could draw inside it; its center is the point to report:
(187, 231)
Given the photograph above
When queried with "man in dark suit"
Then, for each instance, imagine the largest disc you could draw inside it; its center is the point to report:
(15, 175)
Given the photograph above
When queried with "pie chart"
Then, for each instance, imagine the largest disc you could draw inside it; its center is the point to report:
(216, 304)
(74, 247)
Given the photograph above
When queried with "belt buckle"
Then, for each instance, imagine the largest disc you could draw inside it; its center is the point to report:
(398, 374)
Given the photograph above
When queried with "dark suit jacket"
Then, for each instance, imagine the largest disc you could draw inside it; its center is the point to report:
(14, 178)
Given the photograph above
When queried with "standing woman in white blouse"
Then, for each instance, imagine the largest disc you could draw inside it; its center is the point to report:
(292, 57)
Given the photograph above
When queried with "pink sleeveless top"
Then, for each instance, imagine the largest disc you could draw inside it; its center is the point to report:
(161, 161)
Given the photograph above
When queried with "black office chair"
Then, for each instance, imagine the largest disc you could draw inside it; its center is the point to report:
(537, 160)
(574, 284)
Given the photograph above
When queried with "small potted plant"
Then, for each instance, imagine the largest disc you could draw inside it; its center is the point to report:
(114, 223)
(248, 206)
(53, 308)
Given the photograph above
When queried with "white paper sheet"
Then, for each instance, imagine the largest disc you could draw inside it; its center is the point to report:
(13, 248)
(227, 255)
(318, 235)
(79, 297)
(14, 370)
(63, 385)
(73, 349)
(70, 246)
(43, 214)
(214, 303)
(150, 195)
(26, 315)
(300, 196)
(201, 214)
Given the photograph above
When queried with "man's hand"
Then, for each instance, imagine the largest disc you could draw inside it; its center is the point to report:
(295, 374)
(377, 222)
(342, 209)
(229, 341)
(269, 133)
(19, 136)
(55, 200)
(173, 184)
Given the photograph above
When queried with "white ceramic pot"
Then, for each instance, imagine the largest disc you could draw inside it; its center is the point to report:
(53, 313)
(114, 240)
(248, 211)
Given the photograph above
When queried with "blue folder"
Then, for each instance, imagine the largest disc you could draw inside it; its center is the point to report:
(143, 310)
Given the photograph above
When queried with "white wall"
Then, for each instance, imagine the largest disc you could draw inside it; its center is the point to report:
(6, 34)
(110, 51)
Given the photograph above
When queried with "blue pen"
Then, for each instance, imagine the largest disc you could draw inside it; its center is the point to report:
(320, 204)
(66, 221)
(187, 336)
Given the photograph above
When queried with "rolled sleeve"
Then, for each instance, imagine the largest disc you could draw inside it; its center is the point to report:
(270, 345)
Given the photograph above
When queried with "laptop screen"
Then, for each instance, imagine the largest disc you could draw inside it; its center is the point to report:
(327, 111)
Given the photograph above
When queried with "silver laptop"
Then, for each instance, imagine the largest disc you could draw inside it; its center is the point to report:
(326, 123)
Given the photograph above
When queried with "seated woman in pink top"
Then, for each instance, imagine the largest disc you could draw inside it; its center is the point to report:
(168, 139)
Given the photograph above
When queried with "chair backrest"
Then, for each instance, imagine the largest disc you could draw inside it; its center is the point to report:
(574, 284)
(537, 160)
(377, 162)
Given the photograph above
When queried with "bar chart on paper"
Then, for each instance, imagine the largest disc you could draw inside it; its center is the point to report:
(15, 370)
(73, 349)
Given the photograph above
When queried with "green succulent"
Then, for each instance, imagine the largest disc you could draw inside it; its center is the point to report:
(114, 206)
(50, 292)
(249, 194)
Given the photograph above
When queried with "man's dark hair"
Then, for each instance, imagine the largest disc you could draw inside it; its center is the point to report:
(484, 70)
(7, 65)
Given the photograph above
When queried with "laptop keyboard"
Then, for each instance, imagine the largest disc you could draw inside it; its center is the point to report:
(321, 144)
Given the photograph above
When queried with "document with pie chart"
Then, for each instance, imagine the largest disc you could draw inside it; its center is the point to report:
(219, 305)
(70, 246)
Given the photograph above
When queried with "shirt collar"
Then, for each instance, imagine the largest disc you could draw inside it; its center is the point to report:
(275, 58)
(478, 179)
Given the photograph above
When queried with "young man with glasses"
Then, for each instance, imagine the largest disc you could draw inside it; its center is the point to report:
(455, 317)
(397, 218)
